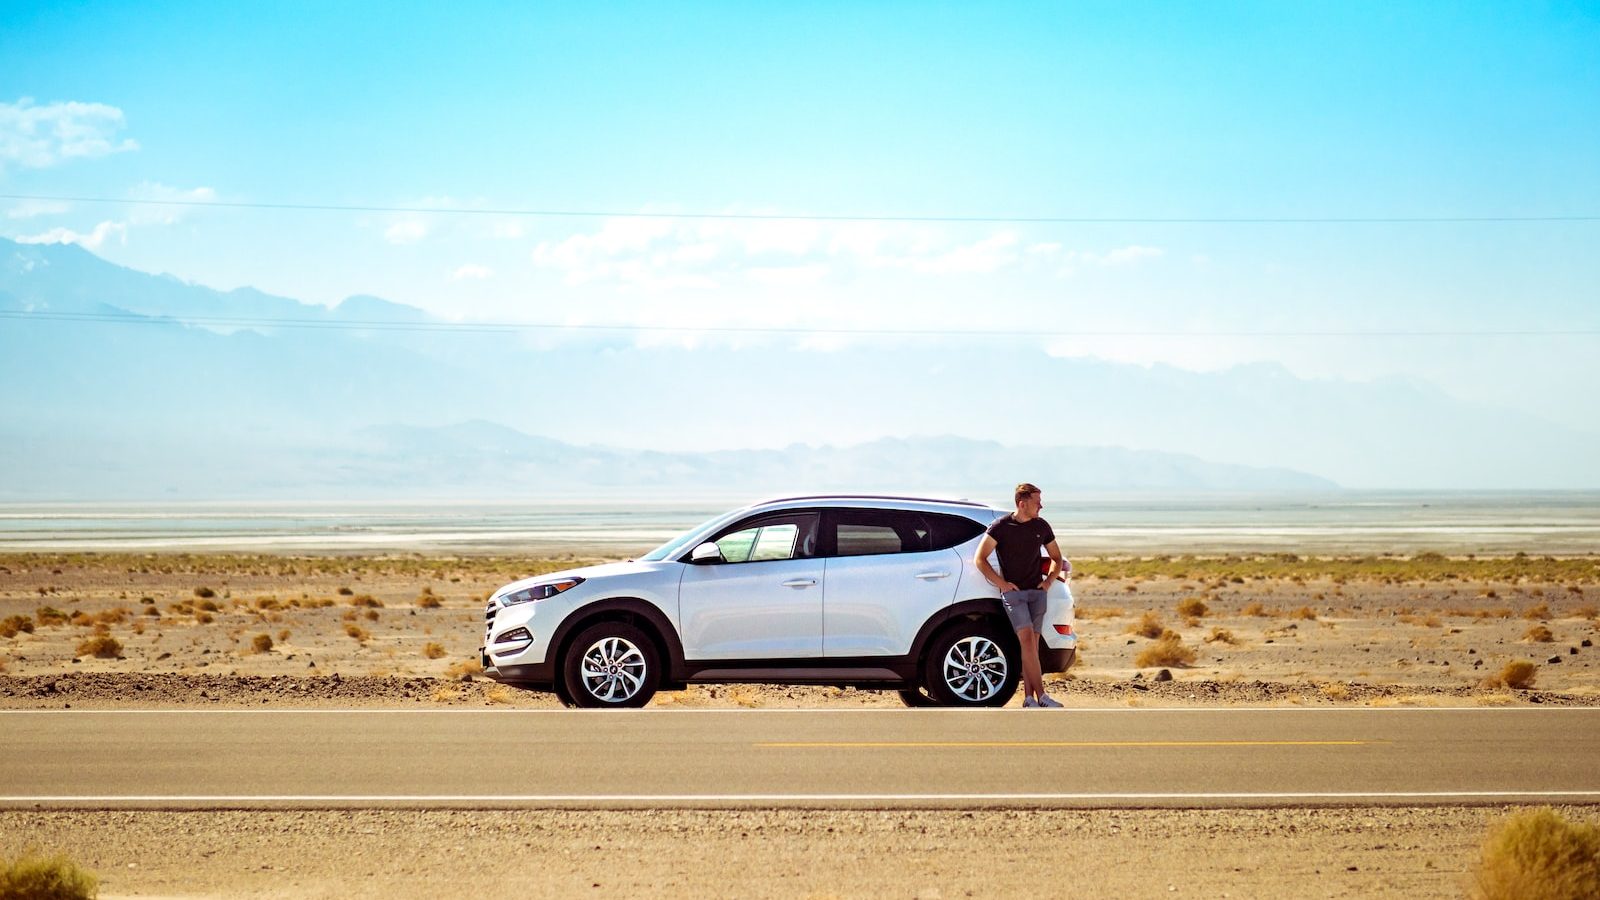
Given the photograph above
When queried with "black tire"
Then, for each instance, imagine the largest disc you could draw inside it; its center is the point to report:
(991, 680)
(560, 689)
(623, 668)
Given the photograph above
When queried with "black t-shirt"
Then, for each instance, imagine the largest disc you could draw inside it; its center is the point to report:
(1017, 544)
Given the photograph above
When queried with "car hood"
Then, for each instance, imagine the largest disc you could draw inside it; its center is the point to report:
(590, 573)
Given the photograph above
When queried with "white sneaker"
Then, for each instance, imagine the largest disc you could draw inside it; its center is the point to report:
(1029, 701)
(1049, 701)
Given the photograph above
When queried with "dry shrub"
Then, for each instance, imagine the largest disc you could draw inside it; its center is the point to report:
(1193, 608)
(112, 616)
(11, 626)
(204, 618)
(49, 615)
(1168, 650)
(1539, 611)
(33, 877)
(101, 646)
(497, 694)
(261, 643)
(345, 592)
(1425, 621)
(433, 650)
(152, 612)
(1101, 612)
(465, 669)
(1536, 854)
(445, 693)
(204, 593)
(366, 600)
(1304, 612)
(1520, 675)
(1221, 636)
(1587, 612)
(81, 619)
(1539, 634)
(356, 631)
(371, 615)
(208, 606)
(349, 615)
(1131, 588)
(1334, 690)
(1257, 610)
(1149, 626)
(426, 600)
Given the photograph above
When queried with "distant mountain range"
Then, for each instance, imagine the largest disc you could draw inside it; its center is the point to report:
(211, 394)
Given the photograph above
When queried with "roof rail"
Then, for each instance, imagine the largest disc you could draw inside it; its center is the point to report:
(872, 497)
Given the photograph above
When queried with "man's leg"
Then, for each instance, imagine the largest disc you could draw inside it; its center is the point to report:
(1032, 677)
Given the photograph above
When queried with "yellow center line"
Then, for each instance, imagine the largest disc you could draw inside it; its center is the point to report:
(895, 744)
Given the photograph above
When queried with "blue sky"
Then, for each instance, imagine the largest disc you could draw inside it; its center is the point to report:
(915, 109)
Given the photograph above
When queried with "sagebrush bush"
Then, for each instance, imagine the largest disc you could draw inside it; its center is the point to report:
(261, 643)
(1538, 855)
(427, 600)
(1149, 626)
(1539, 634)
(102, 646)
(1221, 636)
(1168, 650)
(1540, 611)
(1519, 675)
(204, 593)
(1304, 612)
(11, 626)
(33, 877)
(466, 668)
(356, 631)
(366, 600)
(1193, 608)
(433, 650)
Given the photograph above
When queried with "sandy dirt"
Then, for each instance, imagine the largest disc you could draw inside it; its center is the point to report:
(1356, 852)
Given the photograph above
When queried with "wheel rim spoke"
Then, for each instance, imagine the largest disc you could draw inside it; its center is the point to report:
(613, 669)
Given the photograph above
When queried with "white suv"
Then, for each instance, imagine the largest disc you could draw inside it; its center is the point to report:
(860, 591)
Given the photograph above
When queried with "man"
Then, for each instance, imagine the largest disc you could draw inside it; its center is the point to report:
(1015, 539)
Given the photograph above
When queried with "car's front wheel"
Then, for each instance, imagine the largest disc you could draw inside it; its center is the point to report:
(973, 665)
(611, 665)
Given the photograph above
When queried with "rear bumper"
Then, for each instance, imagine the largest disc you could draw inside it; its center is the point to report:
(1052, 659)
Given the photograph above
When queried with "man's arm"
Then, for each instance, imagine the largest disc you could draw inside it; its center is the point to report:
(1058, 566)
(986, 547)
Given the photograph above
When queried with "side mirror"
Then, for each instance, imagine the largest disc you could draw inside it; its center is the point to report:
(706, 553)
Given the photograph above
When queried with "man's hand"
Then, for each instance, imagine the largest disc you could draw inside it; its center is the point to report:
(1007, 587)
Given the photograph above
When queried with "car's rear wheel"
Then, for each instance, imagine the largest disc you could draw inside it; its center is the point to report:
(973, 665)
(611, 665)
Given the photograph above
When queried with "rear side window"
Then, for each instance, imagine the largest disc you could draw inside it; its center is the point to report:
(951, 531)
(871, 532)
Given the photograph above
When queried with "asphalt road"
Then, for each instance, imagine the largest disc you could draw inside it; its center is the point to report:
(876, 758)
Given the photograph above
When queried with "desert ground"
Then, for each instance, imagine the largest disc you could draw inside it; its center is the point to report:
(158, 631)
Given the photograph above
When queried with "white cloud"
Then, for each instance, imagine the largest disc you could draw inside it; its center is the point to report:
(471, 271)
(159, 213)
(28, 209)
(35, 137)
(1121, 257)
(91, 239)
(407, 230)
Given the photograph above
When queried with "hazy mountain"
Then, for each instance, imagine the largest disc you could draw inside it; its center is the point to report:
(320, 403)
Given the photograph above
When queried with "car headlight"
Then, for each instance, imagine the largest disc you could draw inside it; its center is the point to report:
(540, 591)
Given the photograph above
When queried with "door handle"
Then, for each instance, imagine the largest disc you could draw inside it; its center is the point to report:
(800, 582)
(929, 576)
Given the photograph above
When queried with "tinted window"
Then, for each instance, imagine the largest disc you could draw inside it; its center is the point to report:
(951, 531)
(865, 532)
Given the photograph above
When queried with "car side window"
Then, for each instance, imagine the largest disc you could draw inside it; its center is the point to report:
(951, 531)
(871, 532)
(786, 537)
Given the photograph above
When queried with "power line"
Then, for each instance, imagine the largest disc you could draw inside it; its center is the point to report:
(784, 217)
(511, 327)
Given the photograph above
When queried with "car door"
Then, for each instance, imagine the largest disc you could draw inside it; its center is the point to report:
(763, 600)
(884, 580)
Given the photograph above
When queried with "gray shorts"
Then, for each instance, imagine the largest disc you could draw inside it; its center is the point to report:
(1025, 609)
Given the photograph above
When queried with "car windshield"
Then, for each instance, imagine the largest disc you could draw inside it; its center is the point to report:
(680, 543)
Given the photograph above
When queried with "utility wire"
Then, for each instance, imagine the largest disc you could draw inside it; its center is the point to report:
(509, 327)
(782, 217)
